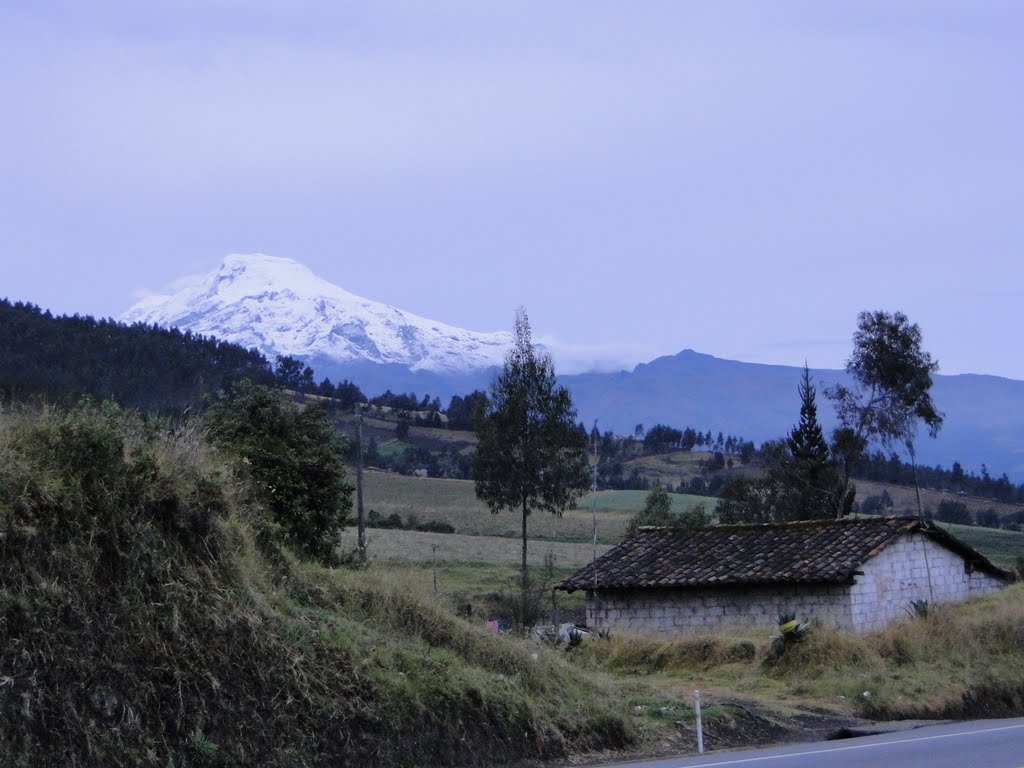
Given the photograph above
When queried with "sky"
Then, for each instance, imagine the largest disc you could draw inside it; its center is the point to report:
(739, 178)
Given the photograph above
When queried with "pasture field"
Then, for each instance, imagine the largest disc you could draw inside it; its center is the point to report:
(1001, 547)
(422, 547)
(469, 569)
(455, 502)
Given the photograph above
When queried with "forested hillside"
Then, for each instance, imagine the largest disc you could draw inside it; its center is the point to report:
(137, 365)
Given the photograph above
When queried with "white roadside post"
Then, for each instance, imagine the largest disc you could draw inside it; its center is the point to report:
(700, 728)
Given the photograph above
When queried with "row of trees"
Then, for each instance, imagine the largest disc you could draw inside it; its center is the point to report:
(531, 454)
(808, 477)
(890, 468)
(661, 438)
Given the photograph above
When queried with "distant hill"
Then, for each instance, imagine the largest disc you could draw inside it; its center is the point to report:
(984, 421)
(984, 414)
(152, 368)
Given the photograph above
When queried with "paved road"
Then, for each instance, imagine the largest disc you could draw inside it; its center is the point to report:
(975, 744)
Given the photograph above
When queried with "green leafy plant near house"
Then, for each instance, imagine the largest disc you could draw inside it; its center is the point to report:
(790, 631)
(918, 609)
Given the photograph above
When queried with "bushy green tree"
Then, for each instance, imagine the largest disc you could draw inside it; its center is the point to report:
(754, 501)
(529, 454)
(657, 511)
(950, 511)
(295, 459)
(892, 379)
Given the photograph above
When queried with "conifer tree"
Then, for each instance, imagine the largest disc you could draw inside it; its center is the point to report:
(529, 454)
(809, 471)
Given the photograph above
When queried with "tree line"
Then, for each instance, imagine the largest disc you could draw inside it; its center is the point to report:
(139, 366)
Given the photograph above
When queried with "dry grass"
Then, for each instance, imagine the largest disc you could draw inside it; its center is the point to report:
(964, 660)
(641, 655)
(903, 498)
(422, 547)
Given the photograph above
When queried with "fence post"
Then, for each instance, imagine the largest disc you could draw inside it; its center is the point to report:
(700, 727)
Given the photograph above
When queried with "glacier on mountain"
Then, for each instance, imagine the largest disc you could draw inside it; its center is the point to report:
(280, 307)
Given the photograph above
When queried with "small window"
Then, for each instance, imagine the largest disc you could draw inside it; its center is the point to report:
(968, 566)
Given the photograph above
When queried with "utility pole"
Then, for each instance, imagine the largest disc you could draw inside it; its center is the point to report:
(593, 505)
(921, 522)
(360, 516)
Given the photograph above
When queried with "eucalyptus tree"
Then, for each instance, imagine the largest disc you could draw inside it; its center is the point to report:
(890, 391)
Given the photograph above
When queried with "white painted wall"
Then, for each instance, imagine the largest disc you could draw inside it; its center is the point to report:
(900, 574)
(891, 580)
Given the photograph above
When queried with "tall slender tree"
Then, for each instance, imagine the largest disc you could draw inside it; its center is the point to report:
(891, 390)
(529, 454)
(808, 470)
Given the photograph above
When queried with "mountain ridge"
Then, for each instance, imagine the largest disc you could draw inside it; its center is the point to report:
(280, 307)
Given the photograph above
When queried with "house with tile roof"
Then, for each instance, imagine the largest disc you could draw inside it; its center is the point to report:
(855, 574)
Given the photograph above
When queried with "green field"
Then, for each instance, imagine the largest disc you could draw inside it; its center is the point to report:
(633, 501)
(455, 502)
(1001, 547)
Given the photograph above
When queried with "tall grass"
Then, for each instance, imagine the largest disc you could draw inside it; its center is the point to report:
(147, 619)
(962, 660)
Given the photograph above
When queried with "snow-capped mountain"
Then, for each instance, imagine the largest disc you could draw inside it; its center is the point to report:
(280, 307)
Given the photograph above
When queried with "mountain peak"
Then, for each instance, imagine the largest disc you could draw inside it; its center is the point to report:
(281, 307)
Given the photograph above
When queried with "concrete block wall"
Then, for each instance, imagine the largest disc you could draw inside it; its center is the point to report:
(693, 611)
(900, 574)
(890, 581)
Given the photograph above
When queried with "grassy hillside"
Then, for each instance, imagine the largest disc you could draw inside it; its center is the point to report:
(146, 618)
(903, 498)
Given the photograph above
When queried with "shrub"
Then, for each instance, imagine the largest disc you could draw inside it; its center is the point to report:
(657, 511)
(392, 521)
(294, 458)
(436, 526)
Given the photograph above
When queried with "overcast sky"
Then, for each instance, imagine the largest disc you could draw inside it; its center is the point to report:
(740, 178)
